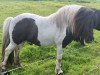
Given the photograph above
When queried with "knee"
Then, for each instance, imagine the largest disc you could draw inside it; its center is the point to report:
(59, 57)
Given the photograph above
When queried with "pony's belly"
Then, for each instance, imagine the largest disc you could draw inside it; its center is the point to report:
(46, 32)
(46, 39)
(47, 36)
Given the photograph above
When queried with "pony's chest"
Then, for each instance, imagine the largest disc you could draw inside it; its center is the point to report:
(46, 33)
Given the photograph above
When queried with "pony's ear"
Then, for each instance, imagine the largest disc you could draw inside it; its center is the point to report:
(83, 27)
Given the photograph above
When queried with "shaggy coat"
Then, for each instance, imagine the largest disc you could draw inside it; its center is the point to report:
(92, 16)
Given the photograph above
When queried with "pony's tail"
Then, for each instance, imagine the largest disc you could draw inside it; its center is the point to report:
(6, 37)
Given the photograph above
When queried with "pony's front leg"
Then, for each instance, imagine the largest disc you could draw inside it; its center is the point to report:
(58, 70)
(8, 50)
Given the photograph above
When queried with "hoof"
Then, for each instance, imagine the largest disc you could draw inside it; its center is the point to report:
(59, 72)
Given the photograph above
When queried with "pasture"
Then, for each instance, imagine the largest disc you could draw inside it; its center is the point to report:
(77, 59)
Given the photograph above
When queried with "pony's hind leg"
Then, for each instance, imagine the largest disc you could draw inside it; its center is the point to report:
(58, 70)
(17, 60)
(8, 50)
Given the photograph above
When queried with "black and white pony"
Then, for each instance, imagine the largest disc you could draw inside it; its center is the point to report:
(72, 22)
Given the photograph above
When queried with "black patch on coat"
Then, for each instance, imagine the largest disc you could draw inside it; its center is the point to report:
(84, 22)
(97, 18)
(26, 30)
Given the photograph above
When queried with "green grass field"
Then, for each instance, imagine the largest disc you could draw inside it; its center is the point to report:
(77, 60)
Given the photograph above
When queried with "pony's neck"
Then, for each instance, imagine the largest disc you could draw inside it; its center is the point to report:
(59, 19)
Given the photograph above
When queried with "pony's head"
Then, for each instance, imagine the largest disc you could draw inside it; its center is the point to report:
(97, 19)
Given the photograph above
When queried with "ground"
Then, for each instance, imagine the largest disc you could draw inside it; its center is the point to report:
(77, 60)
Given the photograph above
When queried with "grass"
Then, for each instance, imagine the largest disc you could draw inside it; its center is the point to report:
(77, 60)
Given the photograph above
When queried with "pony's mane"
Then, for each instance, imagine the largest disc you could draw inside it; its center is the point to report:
(78, 19)
(64, 16)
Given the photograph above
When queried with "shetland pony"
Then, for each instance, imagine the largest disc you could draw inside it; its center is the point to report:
(69, 23)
